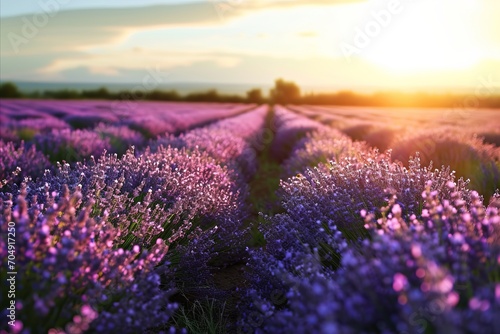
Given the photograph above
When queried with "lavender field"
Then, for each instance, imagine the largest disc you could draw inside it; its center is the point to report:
(178, 217)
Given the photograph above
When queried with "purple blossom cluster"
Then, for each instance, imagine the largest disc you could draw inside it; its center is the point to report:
(20, 162)
(164, 194)
(468, 155)
(155, 119)
(73, 274)
(7, 134)
(88, 121)
(25, 129)
(121, 138)
(24, 119)
(92, 112)
(473, 153)
(44, 124)
(335, 194)
(290, 128)
(432, 272)
(183, 199)
(71, 145)
(321, 147)
(231, 142)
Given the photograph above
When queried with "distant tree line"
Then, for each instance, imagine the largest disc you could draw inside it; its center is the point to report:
(283, 92)
(10, 90)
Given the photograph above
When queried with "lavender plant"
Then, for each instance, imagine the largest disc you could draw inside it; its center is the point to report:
(6, 133)
(71, 145)
(152, 126)
(290, 128)
(163, 194)
(230, 141)
(18, 163)
(75, 277)
(464, 153)
(121, 138)
(412, 275)
(41, 124)
(322, 146)
(186, 199)
(335, 195)
(90, 120)
(157, 119)
(382, 137)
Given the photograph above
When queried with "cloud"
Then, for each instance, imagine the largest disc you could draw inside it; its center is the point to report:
(74, 29)
(45, 42)
(113, 62)
(77, 28)
(34, 44)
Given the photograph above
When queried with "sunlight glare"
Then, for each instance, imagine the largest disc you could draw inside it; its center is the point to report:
(429, 35)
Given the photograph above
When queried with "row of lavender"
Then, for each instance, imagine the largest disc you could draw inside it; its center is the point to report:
(73, 131)
(76, 130)
(366, 245)
(467, 142)
(102, 245)
(150, 118)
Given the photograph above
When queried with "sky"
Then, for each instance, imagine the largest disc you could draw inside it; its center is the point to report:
(421, 45)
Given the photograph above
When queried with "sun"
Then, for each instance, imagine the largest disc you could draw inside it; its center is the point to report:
(429, 35)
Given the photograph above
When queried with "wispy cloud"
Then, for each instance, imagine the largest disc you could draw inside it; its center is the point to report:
(74, 29)
(63, 42)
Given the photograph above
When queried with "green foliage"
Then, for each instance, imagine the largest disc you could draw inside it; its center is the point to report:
(9, 90)
(64, 94)
(202, 317)
(258, 239)
(101, 93)
(255, 96)
(26, 134)
(285, 92)
(213, 96)
(159, 95)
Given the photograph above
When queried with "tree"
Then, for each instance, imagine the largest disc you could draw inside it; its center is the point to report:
(101, 93)
(9, 90)
(209, 96)
(285, 92)
(255, 96)
(63, 94)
